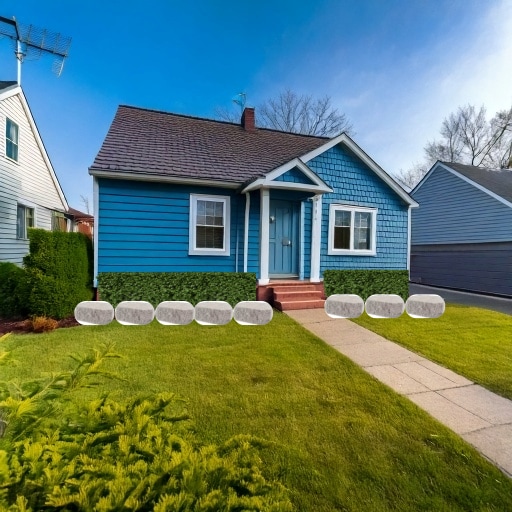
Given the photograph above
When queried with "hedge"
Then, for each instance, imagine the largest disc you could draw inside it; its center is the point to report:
(366, 282)
(156, 287)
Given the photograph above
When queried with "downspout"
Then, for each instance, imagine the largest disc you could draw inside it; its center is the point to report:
(246, 228)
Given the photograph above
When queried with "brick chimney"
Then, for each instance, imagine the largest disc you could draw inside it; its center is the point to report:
(247, 121)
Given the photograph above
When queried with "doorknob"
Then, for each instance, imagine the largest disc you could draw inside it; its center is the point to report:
(286, 241)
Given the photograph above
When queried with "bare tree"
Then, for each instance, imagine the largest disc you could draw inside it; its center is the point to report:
(297, 113)
(468, 138)
(85, 202)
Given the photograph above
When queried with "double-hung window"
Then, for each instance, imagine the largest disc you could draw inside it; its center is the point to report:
(25, 220)
(209, 225)
(11, 139)
(352, 230)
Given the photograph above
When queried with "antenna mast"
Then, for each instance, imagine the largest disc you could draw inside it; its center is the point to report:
(31, 42)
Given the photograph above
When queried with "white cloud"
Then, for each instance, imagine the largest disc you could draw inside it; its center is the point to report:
(404, 109)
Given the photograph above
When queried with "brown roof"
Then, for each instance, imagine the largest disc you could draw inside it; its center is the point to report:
(145, 141)
(77, 214)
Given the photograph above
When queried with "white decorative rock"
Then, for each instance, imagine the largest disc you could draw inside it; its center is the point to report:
(425, 306)
(383, 305)
(177, 312)
(252, 312)
(344, 306)
(213, 312)
(134, 312)
(94, 312)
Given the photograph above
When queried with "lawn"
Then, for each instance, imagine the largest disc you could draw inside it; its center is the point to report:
(339, 440)
(473, 342)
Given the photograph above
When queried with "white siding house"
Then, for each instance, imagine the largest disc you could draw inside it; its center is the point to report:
(30, 193)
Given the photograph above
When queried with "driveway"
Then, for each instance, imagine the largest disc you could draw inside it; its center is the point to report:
(468, 299)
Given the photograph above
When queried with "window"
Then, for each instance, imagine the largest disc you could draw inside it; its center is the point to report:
(11, 139)
(209, 225)
(352, 230)
(59, 222)
(25, 220)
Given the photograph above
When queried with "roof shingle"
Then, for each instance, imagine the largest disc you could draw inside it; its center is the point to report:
(143, 141)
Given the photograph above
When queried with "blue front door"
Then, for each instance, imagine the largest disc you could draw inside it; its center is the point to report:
(283, 239)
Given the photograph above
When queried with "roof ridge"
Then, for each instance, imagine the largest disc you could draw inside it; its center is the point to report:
(208, 119)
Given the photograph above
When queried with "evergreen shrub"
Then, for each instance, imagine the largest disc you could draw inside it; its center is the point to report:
(156, 287)
(366, 282)
(10, 277)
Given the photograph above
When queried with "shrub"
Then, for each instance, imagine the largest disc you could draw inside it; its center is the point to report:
(43, 324)
(10, 277)
(156, 287)
(366, 282)
(109, 456)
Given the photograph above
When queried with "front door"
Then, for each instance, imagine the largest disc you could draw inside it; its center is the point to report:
(283, 239)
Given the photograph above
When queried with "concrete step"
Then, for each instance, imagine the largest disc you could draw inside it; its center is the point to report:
(287, 305)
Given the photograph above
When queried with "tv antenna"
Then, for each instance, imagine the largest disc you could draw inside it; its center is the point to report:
(31, 42)
(240, 99)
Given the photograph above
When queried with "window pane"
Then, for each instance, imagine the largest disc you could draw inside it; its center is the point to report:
(20, 222)
(209, 237)
(29, 212)
(342, 218)
(362, 231)
(341, 237)
(11, 139)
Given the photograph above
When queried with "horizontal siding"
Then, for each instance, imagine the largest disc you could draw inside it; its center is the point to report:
(144, 227)
(454, 211)
(354, 183)
(30, 175)
(484, 268)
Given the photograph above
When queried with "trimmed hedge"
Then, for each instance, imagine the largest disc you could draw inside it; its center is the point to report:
(10, 276)
(57, 276)
(194, 287)
(366, 282)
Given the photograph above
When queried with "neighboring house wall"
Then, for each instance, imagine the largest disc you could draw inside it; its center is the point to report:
(353, 183)
(454, 211)
(27, 182)
(461, 236)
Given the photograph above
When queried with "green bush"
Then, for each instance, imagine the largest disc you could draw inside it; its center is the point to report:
(156, 287)
(58, 274)
(108, 456)
(367, 282)
(10, 277)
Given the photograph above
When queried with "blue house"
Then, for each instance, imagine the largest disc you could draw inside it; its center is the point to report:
(177, 193)
(462, 231)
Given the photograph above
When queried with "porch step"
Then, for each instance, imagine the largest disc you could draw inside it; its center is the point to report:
(299, 304)
(293, 294)
(297, 295)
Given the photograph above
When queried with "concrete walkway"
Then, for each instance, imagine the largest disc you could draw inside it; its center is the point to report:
(482, 418)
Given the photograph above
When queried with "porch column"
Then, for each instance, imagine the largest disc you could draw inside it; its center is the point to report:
(264, 234)
(315, 238)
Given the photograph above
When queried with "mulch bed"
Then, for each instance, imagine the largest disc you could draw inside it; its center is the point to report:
(23, 326)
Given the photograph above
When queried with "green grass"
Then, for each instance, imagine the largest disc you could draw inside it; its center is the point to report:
(474, 342)
(339, 439)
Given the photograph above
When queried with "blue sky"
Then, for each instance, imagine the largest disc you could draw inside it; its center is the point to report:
(397, 68)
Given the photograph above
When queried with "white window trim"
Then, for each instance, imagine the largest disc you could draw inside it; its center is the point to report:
(192, 249)
(17, 161)
(352, 252)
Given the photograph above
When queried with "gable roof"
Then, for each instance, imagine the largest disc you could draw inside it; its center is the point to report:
(12, 89)
(78, 215)
(495, 182)
(6, 84)
(149, 142)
